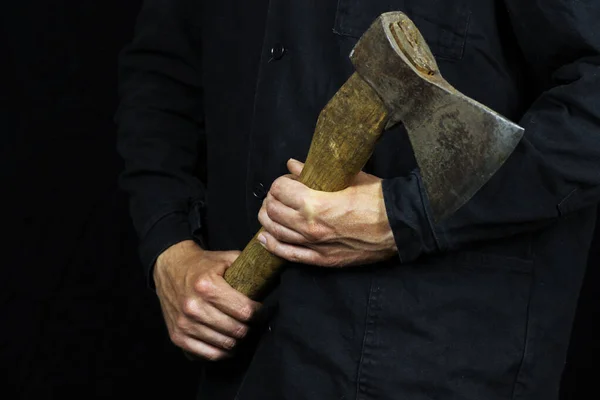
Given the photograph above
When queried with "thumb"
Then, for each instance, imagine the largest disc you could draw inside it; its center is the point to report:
(295, 167)
(231, 256)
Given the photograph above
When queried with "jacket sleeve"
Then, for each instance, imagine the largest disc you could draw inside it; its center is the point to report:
(160, 126)
(555, 170)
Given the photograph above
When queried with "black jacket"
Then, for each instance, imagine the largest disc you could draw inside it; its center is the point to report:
(217, 95)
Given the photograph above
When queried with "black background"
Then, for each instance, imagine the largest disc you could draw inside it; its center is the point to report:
(76, 316)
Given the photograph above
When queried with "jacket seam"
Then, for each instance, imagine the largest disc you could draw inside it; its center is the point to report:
(364, 342)
(527, 341)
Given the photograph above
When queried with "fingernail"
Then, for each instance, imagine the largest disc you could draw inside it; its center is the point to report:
(262, 239)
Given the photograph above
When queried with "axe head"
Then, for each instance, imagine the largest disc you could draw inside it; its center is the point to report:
(458, 143)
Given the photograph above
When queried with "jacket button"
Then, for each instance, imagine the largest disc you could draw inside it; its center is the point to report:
(259, 191)
(277, 52)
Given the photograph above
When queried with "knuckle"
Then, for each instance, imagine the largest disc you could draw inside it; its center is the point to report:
(240, 332)
(276, 187)
(189, 307)
(246, 312)
(181, 324)
(304, 201)
(271, 209)
(177, 338)
(277, 232)
(205, 287)
(262, 215)
(313, 232)
(294, 256)
(228, 344)
(329, 262)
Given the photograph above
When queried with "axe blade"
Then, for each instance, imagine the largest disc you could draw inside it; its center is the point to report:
(459, 144)
(458, 149)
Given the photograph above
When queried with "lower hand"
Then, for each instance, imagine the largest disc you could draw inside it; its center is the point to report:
(339, 229)
(204, 315)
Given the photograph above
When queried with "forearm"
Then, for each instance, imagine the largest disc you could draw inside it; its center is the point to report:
(160, 121)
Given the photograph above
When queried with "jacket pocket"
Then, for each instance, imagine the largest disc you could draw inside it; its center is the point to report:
(461, 321)
(443, 23)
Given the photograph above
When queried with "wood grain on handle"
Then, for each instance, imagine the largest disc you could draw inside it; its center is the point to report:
(345, 136)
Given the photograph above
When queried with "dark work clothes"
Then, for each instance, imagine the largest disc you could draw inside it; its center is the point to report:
(217, 96)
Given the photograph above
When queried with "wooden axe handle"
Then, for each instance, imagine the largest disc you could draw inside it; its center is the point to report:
(344, 139)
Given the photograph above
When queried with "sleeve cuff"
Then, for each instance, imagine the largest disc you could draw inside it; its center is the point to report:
(408, 214)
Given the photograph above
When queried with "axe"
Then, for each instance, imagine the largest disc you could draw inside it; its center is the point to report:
(458, 143)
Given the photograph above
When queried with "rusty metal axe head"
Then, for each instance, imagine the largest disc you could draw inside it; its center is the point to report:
(458, 143)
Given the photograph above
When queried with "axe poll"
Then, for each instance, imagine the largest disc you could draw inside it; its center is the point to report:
(458, 143)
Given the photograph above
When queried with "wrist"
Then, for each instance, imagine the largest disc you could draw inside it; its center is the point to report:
(174, 253)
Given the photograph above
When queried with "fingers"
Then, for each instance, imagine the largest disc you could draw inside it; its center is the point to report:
(292, 226)
(211, 323)
(205, 316)
(199, 348)
(297, 254)
(209, 335)
(217, 292)
(276, 217)
(280, 212)
(213, 318)
(187, 331)
(196, 339)
(290, 192)
(295, 167)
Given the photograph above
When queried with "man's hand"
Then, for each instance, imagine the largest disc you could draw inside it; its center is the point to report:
(345, 228)
(205, 316)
